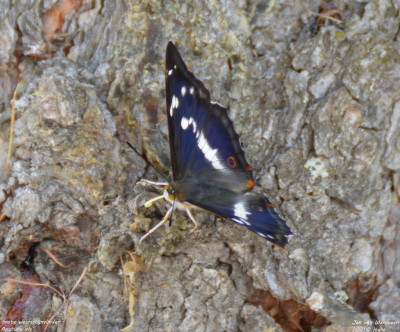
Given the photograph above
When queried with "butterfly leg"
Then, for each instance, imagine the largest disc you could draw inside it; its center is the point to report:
(192, 219)
(152, 183)
(165, 219)
(136, 203)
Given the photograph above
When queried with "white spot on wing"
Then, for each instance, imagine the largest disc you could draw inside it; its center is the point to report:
(175, 102)
(183, 91)
(185, 123)
(241, 222)
(174, 105)
(261, 234)
(170, 72)
(240, 211)
(194, 127)
(209, 153)
(191, 91)
(238, 221)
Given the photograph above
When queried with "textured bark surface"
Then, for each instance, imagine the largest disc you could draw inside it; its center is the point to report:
(317, 105)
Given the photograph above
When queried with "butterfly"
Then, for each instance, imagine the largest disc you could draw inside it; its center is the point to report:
(209, 167)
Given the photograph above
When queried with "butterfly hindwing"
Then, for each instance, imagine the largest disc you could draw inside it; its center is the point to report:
(201, 134)
(251, 211)
(254, 213)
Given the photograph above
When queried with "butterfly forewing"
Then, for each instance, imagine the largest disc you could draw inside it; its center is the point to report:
(201, 134)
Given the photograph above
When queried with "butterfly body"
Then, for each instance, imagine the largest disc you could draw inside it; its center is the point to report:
(209, 167)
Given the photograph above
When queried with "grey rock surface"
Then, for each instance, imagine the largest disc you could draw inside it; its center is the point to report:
(313, 90)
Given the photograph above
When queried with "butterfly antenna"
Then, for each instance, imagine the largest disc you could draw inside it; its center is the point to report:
(159, 173)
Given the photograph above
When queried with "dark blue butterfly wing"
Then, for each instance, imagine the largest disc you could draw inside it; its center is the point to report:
(202, 136)
(209, 167)
(253, 212)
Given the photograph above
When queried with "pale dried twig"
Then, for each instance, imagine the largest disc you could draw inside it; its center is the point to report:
(55, 259)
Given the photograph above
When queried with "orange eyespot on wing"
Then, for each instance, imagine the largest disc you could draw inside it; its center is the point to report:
(249, 168)
(231, 162)
(271, 205)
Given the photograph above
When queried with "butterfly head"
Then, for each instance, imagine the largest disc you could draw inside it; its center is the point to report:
(169, 193)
